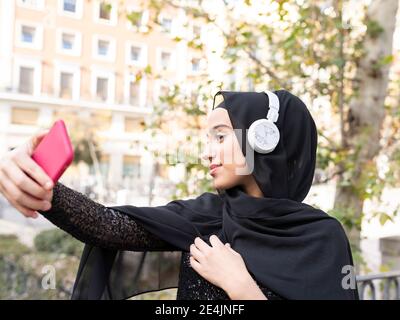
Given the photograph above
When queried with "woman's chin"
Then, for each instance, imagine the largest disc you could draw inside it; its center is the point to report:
(221, 185)
(217, 184)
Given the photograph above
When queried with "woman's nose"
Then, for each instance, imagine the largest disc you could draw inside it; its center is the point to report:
(209, 152)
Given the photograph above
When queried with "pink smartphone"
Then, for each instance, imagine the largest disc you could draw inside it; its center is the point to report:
(54, 153)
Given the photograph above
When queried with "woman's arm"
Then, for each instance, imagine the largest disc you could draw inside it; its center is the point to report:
(95, 224)
(29, 189)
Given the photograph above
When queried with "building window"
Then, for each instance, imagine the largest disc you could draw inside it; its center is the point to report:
(165, 60)
(195, 65)
(162, 91)
(104, 166)
(26, 80)
(135, 53)
(101, 120)
(28, 34)
(68, 41)
(196, 32)
(135, 90)
(27, 77)
(24, 116)
(32, 4)
(66, 85)
(105, 11)
(135, 18)
(67, 81)
(133, 125)
(134, 93)
(102, 88)
(166, 25)
(131, 167)
(69, 6)
(103, 48)
(103, 84)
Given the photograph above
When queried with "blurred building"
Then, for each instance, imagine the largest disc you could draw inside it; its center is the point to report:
(88, 59)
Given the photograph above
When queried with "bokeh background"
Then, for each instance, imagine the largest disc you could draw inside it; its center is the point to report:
(134, 80)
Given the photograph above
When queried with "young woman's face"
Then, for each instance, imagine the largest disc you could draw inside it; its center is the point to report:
(226, 160)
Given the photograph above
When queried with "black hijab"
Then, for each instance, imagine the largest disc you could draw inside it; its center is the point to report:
(290, 247)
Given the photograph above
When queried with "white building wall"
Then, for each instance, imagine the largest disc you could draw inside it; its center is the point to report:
(7, 15)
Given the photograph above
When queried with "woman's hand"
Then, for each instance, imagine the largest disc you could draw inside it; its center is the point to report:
(224, 267)
(23, 182)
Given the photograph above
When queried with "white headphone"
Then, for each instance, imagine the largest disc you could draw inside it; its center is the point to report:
(263, 135)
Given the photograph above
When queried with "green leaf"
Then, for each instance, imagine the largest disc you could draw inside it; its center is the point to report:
(384, 217)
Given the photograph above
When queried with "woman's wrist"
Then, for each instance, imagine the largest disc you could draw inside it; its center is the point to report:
(246, 289)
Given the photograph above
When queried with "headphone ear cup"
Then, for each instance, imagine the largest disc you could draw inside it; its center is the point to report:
(263, 136)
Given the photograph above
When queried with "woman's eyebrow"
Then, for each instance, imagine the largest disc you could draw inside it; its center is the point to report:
(220, 126)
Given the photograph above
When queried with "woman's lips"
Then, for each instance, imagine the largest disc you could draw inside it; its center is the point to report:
(213, 168)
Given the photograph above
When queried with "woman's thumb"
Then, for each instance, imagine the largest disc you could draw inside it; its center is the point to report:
(35, 140)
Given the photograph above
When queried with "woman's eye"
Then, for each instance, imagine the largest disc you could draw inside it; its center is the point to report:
(220, 138)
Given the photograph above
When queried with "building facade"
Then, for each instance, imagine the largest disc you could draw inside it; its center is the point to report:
(91, 62)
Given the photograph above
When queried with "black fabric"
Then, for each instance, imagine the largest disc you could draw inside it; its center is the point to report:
(293, 249)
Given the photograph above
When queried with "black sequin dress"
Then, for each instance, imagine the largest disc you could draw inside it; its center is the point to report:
(97, 225)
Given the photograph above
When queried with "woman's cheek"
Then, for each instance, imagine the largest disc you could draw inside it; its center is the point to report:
(228, 151)
(232, 153)
(227, 177)
(230, 160)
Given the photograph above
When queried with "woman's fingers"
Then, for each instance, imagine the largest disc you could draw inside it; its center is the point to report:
(22, 199)
(195, 264)
(24, 182)
(201, 245)
(25, 211)
(28, 165)
(215, 242)
(32, 143)
(196, 253)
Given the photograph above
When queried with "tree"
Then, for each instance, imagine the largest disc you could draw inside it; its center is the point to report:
(366, 113)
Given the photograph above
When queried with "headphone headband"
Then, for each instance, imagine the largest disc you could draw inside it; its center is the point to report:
(263, 135)
(273, 112)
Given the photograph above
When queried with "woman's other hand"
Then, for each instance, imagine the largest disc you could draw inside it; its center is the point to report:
(224, 267)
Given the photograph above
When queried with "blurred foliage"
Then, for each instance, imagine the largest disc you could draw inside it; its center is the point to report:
(21, 267)
(58, 241)
(21, 271)
(9, 244)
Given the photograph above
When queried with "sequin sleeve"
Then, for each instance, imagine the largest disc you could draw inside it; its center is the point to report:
(95, 224)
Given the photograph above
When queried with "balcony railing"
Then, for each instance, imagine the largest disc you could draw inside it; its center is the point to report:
(383, 286)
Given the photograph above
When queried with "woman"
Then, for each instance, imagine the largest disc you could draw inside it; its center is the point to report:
(252, 240)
